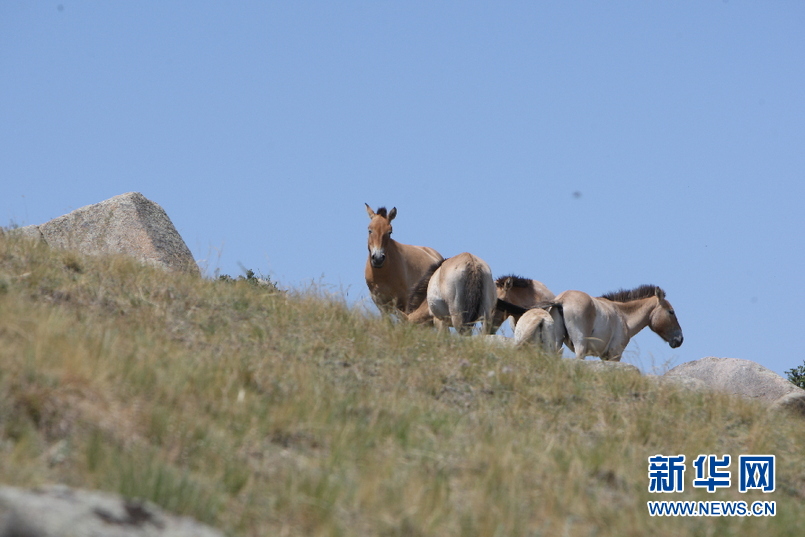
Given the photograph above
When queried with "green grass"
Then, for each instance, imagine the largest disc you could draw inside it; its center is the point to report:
(290, 413)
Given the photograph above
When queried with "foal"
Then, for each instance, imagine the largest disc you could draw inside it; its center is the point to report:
(540, 325)
(520, 292)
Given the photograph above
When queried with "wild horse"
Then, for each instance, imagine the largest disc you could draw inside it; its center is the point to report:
(393, 269)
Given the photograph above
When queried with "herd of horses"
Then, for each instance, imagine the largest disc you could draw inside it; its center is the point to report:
(418, 284)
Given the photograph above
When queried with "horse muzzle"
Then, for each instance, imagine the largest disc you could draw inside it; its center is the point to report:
(675, 341)
(377, 260)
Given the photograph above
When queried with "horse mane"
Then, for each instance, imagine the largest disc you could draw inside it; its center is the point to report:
(382, 212)
(627, 295)
(512, 280)
(420, 290)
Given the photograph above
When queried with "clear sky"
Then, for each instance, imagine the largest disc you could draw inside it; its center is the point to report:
(589, 145)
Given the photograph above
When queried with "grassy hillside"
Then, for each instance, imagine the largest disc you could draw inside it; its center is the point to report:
(289, 413)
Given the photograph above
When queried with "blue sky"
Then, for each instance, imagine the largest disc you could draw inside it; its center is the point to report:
(589, 145)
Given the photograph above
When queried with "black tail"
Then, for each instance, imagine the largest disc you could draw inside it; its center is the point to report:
(548, 305)
(560, 311)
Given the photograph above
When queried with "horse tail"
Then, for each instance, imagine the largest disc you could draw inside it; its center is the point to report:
(420, 291)
(545, 332)
(543, 344)
(560, 317)
(474, 294)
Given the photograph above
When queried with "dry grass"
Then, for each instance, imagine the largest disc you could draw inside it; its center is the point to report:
(268, 413)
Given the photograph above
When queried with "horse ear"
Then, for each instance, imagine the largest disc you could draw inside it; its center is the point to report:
(369, 211)
(659, 293)
(392, 214)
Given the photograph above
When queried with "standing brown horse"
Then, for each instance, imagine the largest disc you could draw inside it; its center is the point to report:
(393, 269)
(520, 292)
(604, 325)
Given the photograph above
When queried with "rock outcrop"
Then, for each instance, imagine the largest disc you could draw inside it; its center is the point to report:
(128, 224)
(605, 365)
(57, 510)
(744, 378)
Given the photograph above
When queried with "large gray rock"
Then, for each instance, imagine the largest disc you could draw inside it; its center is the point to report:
(684, 383)
(745, 378)
(57, 511)
(129, 224)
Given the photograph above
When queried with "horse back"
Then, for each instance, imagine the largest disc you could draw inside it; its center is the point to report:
(416, 261)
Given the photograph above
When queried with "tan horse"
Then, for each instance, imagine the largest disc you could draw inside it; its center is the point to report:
(393, 269)
(520, 292)
(460, 293)
(603, 326)
(542, 327)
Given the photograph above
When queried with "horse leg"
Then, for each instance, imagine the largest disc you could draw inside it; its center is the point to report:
(576, 331)
(489, 309)
(613, 354)
(497, 320)
(441, 326)
(577, 343)
(486, 326)
(458, 323)
(421, 315)
(553, 336)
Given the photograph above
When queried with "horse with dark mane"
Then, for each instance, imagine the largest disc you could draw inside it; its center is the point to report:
(602, 326)
(393, 269)
(521, 292)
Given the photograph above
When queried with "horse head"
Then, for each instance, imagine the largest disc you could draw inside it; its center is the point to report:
(379, 234)
(663, 321)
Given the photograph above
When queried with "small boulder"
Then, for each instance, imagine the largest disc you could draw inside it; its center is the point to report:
(57, 510)
(128, 224)
(745, 378)
(605, 365)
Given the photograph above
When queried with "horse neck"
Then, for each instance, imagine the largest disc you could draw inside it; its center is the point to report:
(406, 259)
(393, 251)
(637, 313)
(525, 297)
